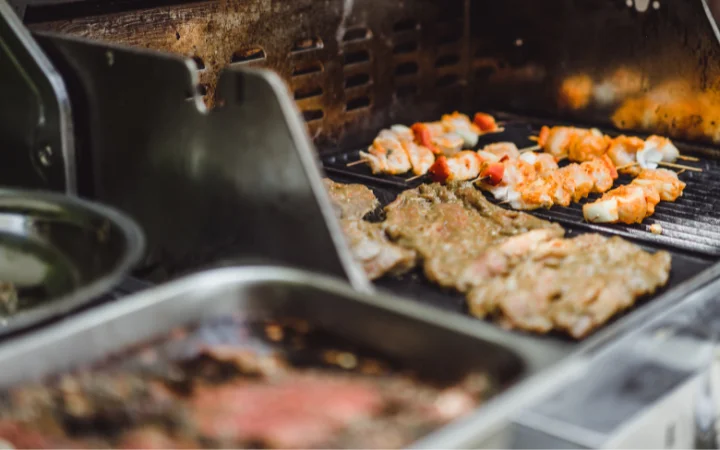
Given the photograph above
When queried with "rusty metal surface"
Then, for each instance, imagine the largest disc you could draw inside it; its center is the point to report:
(356, 66)
(351, 70)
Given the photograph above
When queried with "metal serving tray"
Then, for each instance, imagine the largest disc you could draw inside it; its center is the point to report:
(413, 335)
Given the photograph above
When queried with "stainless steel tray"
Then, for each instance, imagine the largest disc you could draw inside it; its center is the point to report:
(413, 335)
(61, 253)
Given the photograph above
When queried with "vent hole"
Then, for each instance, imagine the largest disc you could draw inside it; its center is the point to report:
(177, 35)
(406, 25)
(199, 62)
(356, 57)
(305, 45)
(313, 114)
(357, 34)
(246, 55)
(405, 47)
(357, 103)
(308, 92)
(408, 68)
(406, 90)
(360, 79)
(305, 68)
(447, 81)
(449, 38)
(202, 89)
(447, 60)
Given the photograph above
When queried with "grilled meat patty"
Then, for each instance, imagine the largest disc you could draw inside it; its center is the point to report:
(574, 285)
(351, 201)
(368, 242)
(451, 226)
(517, 268)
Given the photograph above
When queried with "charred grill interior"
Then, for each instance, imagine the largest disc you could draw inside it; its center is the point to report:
(235, 177)
(292, 385)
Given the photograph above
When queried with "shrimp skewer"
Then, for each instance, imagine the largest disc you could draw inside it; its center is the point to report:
(634, 202)
(582, 145)
(395, 152)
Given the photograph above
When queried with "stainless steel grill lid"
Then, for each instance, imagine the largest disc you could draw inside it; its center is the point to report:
(60, 253)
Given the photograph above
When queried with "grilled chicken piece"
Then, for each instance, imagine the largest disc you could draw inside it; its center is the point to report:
(464, 166)
(603, 173)
(461, 125)
(623, 153)
(387, 155)
(372, 248)
(503, 150)
(557, 140)
(351, 201)
(588, 146)
(666, 182)
(368, 242)
(573, 285)
(636, 201)
(542, 162)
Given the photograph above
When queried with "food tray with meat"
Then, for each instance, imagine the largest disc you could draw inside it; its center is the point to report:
(686, 222)
(322, 366)
(523, 272)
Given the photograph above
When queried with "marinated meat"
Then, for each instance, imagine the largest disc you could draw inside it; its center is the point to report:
(239, 395)
(573, 285)
(372, 248)
(8, 298)
(451, 226)
(351, 201)
(368, 242)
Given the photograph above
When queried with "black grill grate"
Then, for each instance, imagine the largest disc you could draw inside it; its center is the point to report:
(692, 223)
(415, 286)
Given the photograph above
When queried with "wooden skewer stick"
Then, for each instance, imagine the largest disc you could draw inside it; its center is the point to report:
(416, 177)
(533, 148)
(679, 166)
(534, 138)
(499, 130)
(627, 166)
(354, 163)
(688, 158)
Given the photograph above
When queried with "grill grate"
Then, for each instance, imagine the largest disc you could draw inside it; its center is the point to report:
(691, 223)
(414, 285)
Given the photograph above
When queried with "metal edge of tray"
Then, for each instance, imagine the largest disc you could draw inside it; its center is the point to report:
(45, 352)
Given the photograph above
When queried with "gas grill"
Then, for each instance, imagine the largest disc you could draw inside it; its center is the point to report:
(169, 109)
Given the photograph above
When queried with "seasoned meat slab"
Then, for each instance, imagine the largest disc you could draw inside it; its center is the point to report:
(372, 248)
(294, 387)
(451, 226)
(572, 285)
(519, 269)
(368, 242)
(351, 201)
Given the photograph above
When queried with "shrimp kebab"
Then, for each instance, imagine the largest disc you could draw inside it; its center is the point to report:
(402, 149)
